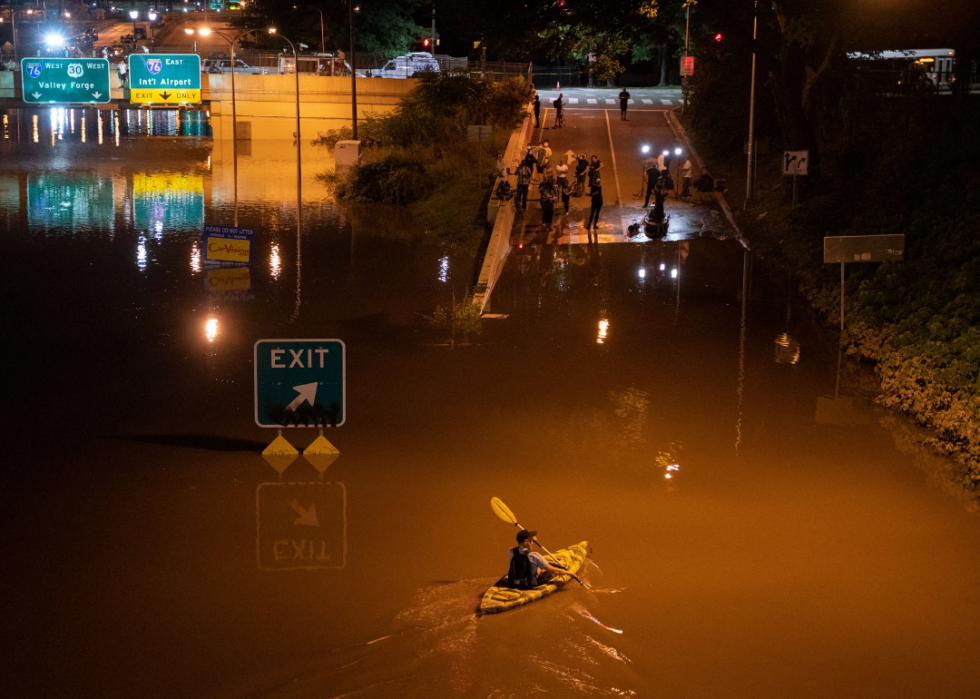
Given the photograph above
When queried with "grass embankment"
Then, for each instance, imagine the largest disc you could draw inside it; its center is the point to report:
(901, 164)
(419, 156)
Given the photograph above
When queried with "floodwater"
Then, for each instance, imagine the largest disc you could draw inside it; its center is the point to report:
(660, 401)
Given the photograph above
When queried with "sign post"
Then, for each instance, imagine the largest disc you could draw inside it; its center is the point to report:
(165, 78)
(795, 162)
(65, 80)
(861, 248)
(228, 244)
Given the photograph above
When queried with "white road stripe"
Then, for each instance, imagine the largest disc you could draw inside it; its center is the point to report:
(591, 101)
(665, 102)
(647, 101)
(631, 102)
(573, 100)
(608, 101)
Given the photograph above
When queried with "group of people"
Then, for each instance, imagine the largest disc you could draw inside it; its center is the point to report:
(555, 184)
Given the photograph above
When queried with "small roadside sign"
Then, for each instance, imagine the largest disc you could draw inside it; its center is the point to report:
(796, 162)
(165, 78)
(64, 80)
(687, 66)
(223, 244)
(300, 383)
(301, 526)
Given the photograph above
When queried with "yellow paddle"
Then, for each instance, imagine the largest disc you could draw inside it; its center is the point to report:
(502, 511)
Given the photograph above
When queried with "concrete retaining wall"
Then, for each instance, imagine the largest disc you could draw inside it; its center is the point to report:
(499, 246)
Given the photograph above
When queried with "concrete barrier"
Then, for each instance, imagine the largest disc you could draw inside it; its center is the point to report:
(499, 246)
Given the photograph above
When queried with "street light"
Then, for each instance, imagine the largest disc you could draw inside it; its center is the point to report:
(134, 14)
(322, 43)
(352, 8)
(152, 16)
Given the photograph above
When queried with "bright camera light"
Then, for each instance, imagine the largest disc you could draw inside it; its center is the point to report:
(645, 149)
(666, 152)
(673, 273)
(272, 30)
(677, 151)
(152, 16)
(204, 31)
(643, 273)
(188, 31)
(134, 14)
(55, 41)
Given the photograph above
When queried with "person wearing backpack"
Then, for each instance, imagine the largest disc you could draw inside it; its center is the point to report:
(523, 184)
(528, 568)
(559, 112)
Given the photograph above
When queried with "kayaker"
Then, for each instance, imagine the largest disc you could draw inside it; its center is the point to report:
(528, 568)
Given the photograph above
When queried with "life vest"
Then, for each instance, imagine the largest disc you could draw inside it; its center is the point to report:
(521, 574)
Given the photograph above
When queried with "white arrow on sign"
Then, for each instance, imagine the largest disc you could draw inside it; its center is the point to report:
(96, 95)
(307, 516)
(307, 392)
(37, 95)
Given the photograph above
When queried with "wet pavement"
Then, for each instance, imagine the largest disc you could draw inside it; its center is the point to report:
(754, 532)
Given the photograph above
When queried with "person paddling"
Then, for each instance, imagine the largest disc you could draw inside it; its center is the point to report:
(528, 568)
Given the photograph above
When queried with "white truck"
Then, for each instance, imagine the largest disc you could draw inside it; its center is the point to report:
(223, 65)
(407, 66)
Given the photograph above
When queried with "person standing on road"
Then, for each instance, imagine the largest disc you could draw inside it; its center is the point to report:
(686, 179)
(547, 152)
(593, 222)
(537, 111)
(559, 111)
(540, 158)
(523, 184)
(564, 187)
(624, 98)
(653, 177)
(581, 166)
(548, 198)
(594, 168)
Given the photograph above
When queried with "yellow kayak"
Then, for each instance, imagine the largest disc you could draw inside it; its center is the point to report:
(500, 598)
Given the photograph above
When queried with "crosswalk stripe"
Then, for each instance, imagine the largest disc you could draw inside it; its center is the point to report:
(647, 101)
(631, 102)
(573, 100)
(665, 102)
(610, 101)
(591, 101)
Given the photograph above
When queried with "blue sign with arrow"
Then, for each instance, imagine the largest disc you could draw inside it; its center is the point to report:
(300, 383)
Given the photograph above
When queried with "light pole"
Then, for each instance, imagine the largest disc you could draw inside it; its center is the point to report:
(205, 31)
(322, 42)
(299, 138)
(352, 8)
(152, 16)
(687, 42)
(749, 188)
(134, 14)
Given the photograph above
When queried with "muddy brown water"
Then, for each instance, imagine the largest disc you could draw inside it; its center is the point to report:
(783, 557)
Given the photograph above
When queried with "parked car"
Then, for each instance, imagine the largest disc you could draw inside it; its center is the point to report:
(241, 68)
(407, 66)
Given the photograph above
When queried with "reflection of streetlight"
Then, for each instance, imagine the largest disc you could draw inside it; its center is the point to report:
(211, 329)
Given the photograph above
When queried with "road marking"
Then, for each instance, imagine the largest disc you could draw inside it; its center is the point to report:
(619, 196)
(573, 100)
(647, 101)
(591, 101)
(609, 101)
(665, 102)
(631, 102)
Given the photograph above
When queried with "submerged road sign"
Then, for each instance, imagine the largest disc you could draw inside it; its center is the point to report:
(228, 244)
(165, 78)
(64, 80)
(300, 383)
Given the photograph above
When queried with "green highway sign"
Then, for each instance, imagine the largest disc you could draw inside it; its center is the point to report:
(64, 80)
(300, 383)
(164, 78)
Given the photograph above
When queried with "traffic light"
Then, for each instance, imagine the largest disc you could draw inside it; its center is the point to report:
(425, 43)
(718, 36)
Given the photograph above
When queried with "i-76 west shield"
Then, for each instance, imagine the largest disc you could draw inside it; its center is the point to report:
(300, 383)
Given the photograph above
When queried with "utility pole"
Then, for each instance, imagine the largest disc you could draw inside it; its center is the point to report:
(483, 57)
(749, 185)
(353, 70)
(433, 44)
(687, 52)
